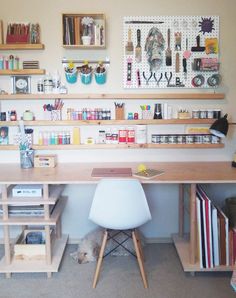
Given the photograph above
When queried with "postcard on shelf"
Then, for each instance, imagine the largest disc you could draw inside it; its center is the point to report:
(148, 174)
(4, 135)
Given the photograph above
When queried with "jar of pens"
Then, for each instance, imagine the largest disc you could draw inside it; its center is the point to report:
(146, 112)
(26, 151)
(119, 111)
(53, 111)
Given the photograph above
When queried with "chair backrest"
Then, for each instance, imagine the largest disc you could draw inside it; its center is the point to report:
(119, 204)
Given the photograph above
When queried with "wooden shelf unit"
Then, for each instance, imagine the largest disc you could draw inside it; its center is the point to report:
(117, 146)
(21, 46)
(182, 247)
(117, 96)
(156, 97)
(72, 31)
(54, 251)
(108, 122)
(8, 72)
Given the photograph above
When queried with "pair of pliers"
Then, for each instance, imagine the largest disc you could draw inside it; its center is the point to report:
(168, 78)
(147, 79)
(157, 80)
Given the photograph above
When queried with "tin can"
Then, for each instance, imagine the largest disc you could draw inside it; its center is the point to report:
(215, 140)
(189, 139)
(203, 114)
(3, 116)
(179, 139)
(172, 139)
(217, 113)
(164, 139)
(196, 114)
(210, 114)
(198, 139)
(206, 139)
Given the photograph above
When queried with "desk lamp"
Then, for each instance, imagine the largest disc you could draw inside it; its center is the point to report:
(220, 128)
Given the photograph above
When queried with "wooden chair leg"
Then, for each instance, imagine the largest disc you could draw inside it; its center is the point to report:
(139, 244)
(100, 258)
(140, 261)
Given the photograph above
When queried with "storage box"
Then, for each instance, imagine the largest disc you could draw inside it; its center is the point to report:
(45, 161)
(24, 251)
(27, 190)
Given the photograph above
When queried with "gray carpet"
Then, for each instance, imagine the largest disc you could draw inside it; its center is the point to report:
(120, 278)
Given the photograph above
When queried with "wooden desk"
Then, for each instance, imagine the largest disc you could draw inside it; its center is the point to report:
(182, 173)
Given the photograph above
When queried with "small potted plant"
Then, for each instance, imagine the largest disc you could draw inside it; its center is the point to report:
(87, 23)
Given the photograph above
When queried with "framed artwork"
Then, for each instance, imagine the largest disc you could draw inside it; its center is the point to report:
(21, 84)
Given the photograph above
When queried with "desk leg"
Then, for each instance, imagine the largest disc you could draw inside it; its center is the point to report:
(181, 210)
(193, 225)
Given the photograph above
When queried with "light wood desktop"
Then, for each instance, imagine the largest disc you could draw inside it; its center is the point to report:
(181, 173)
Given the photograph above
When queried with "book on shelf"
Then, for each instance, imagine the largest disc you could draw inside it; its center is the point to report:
(216, 243)
(148, 174)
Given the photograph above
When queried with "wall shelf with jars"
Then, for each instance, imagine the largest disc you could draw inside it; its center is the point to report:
(111, 124)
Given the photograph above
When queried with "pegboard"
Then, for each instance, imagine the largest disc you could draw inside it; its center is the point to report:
(149, 69)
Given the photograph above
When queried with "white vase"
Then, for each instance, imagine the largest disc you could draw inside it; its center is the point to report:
(86, 40)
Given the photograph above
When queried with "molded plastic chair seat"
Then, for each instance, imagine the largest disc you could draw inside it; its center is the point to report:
(120, 204)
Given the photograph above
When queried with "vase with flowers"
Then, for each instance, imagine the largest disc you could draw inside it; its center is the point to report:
(87, 23)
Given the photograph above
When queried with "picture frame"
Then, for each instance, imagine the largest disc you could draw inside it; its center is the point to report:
(21, 84)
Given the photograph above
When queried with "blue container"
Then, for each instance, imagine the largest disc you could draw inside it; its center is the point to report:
(100, 77)
(86, 78)
(71, 77)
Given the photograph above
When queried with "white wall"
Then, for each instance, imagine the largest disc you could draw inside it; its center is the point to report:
(48, 14)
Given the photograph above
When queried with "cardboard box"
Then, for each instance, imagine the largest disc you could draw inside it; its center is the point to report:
(24, 251)
(45, 161)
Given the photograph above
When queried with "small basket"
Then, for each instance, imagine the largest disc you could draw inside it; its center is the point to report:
(71, 77)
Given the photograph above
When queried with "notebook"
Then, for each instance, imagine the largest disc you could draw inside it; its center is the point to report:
(111, 172)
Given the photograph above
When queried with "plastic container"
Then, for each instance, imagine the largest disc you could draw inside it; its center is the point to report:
(27, 159)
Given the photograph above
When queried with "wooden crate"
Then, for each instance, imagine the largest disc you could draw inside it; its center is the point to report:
(23, 251)
(45, 161)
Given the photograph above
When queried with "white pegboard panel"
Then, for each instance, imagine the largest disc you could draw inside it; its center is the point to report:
(189, 27)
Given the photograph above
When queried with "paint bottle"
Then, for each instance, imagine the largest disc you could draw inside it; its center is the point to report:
(130, 135)
(122, 135)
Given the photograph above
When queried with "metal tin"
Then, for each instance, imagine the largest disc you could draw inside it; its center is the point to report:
(206, 139)
(189, 139)
(210, 114)
(215, 140)
(198, 139)
(196, 114)
(164, 139)
(217, 113)
(203, 114)
(172, 139)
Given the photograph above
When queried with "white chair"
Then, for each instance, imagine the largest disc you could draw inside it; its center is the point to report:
(120, 204)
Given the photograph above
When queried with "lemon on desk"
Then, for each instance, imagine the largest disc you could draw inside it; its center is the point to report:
(142, 167)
